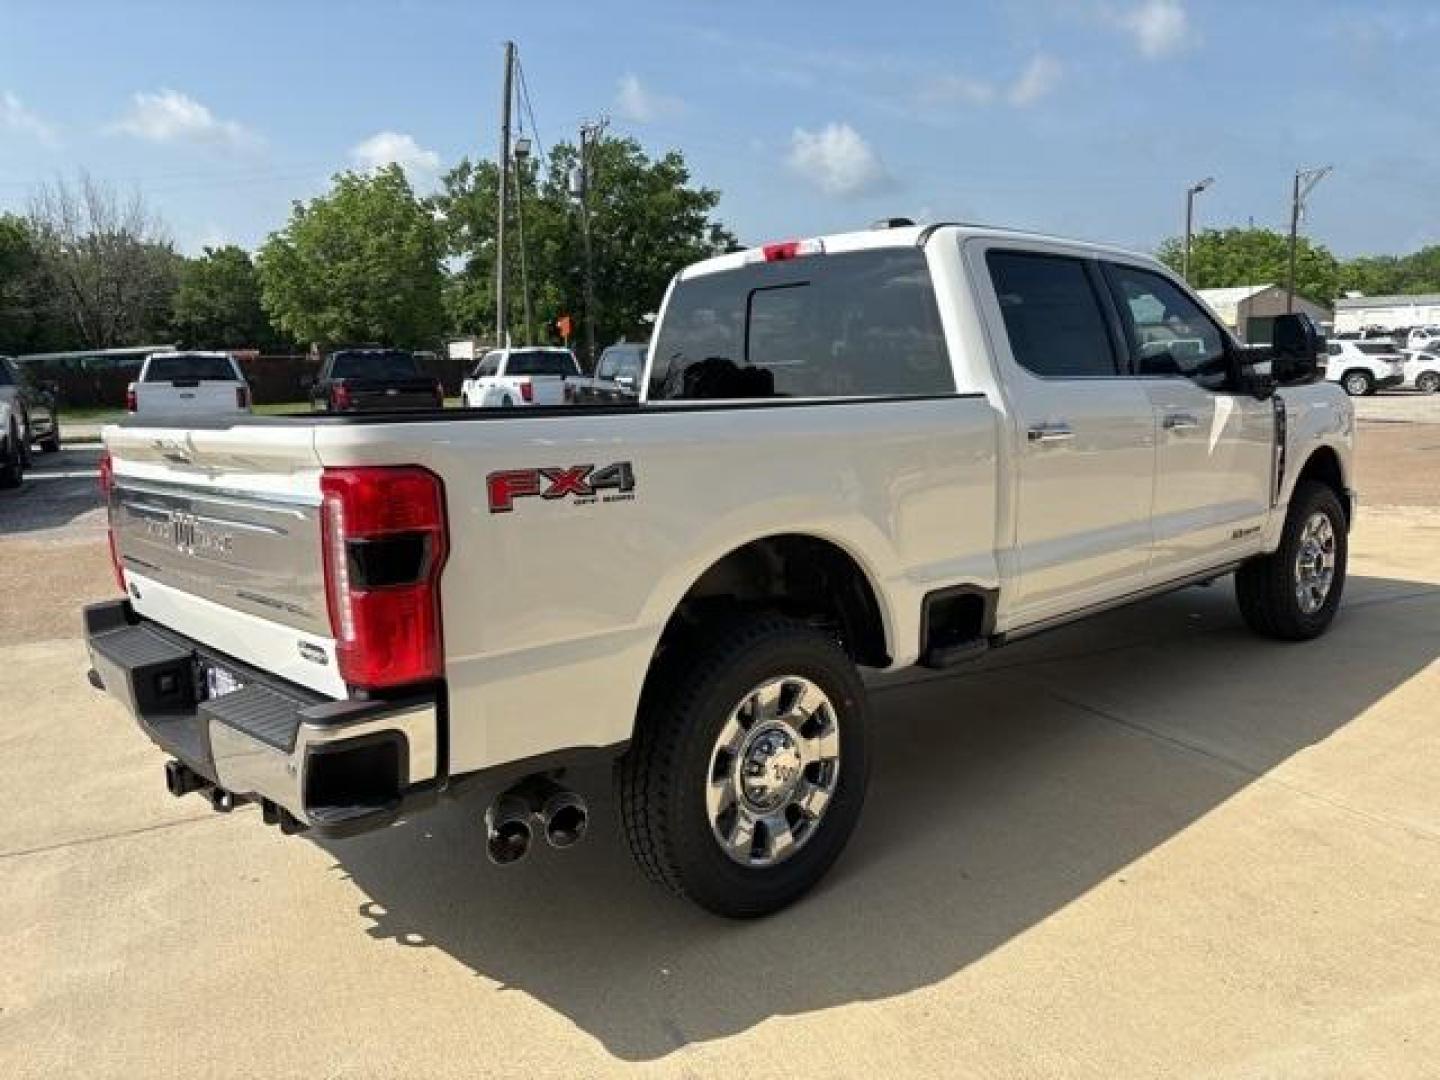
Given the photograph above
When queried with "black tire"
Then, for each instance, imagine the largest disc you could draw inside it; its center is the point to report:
(1358, 383)
(12, 463)
(1427, 382)
(1267, 587)
(662, 778)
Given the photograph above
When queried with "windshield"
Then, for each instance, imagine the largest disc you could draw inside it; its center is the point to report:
(374, 365)
(181, 368)
(540, 362)
(862, 323)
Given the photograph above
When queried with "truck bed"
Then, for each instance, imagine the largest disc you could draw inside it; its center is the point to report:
(576, 584)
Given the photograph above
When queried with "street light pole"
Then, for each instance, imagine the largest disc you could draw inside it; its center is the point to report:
(1190, 193)
(1305, 181)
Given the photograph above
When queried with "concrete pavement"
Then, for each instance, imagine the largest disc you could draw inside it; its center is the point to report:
(1150, 845)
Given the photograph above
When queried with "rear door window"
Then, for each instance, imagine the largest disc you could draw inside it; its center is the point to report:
(184, 368)
(1052, 314)
(855, 324)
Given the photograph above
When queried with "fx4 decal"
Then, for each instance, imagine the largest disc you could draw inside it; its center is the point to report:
(584, 483)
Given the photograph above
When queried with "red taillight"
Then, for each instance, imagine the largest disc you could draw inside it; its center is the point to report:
(107, 488)
(385, 545)
(242, 397)
(339, 396)
(527, 391)
(130, 398)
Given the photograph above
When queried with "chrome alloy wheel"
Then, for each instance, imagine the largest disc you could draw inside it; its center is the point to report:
(1315, 563)
(773, 771)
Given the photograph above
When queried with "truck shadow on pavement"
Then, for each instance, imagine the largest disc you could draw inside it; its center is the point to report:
(999, 796)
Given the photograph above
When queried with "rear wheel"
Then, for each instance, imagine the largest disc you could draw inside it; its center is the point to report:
(1427, 382)
(1294, 593)
(749, 766)
(1358, 383)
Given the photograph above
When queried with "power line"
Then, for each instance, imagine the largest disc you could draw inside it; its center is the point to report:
(529, 108)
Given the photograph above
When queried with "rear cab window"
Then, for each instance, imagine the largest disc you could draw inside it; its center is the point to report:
(852, 324)
(374, 365)
(190, 368)
(540, 362)
(621, 362)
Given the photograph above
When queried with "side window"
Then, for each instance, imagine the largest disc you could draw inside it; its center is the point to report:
(1333, 348)
(1052, 315)
(1169, 334)
(609, 363)
(488, 367)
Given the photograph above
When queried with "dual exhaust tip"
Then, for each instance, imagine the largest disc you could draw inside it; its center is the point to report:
(535, 804)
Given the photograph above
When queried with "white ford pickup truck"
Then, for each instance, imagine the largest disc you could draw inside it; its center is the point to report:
(859, 452)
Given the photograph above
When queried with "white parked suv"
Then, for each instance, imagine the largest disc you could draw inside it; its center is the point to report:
(189, 384)
(532, 375)
(1362, 367)
(1422, 370)
(856, 453)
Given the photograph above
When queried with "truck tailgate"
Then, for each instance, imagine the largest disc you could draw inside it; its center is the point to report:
(218, 534)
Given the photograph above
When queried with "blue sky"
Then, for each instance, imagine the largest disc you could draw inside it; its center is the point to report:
(1085, 117)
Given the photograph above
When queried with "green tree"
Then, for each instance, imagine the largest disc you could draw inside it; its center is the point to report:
(1224, 257)
(361, 263)
(647, 221)
(29, 318)
(218, 303)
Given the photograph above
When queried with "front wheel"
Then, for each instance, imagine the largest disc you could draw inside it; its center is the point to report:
(749, 765)
(1294, 593)
(1427, 382)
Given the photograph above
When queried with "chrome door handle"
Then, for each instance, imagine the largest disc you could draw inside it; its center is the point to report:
(1180, 421)
(1056, 432)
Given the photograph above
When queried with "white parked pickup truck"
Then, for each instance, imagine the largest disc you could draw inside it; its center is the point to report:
(855, 453)
(189, 384)
(533, 375)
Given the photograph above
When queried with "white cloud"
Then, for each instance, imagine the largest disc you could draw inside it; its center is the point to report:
(838, 161)
(1158, 27)
(170, 116)
(1040, 77)
(15, 116)
(641, 106)
(1036, 80)
(385, 147)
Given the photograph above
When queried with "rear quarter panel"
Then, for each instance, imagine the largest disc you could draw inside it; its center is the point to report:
(553, 610)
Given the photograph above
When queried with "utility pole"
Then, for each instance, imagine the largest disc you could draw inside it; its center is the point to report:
(501, 336)
(1305, 181)
(590, 134)
(1190, 193)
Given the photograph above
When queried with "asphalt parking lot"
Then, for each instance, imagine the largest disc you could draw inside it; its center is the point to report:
(1149, 845)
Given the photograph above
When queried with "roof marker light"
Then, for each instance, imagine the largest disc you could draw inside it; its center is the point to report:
(786, 249)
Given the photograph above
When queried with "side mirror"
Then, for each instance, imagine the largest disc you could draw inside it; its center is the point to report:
(1297, 347)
